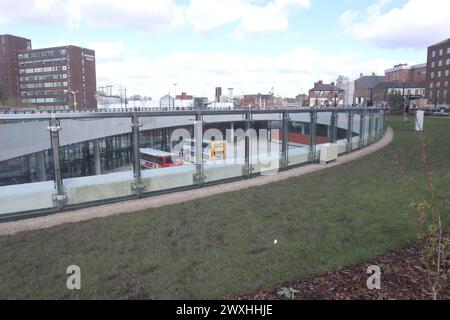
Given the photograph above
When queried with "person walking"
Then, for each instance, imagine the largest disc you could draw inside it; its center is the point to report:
(405, 113)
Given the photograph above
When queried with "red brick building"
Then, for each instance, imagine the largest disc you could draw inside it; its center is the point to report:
(258, 101)
(58, 78)
(9, 46)
(403, 72)
(438, 76)
(184, 96)
(48, 78)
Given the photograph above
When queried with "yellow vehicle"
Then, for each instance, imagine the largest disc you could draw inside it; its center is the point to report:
(212, 150)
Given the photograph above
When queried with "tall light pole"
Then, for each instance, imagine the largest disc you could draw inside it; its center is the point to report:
(175, 94)
(403, 94)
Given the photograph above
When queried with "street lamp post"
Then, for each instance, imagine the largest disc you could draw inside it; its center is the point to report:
(126, 99)
(403, 94)
(175, 94)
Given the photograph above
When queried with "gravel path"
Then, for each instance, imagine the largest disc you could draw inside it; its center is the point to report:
(9, 228)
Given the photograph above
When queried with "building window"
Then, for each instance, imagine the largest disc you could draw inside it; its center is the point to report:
(446, 73)
(439, 74)
(441, 52)
(446, 84)
(448, 50)
(433, 54)
(432, 75)
(433, 64)
(438, 84)
(448, 61)
(431, 85)
(440, 63)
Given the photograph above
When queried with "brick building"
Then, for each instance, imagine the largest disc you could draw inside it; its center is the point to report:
(364, 88)
(258, 101)
(49, 78)
(57, 78)
(409, 90)
(403, 72)
(9, 46)
(325, 95)
(438, 76)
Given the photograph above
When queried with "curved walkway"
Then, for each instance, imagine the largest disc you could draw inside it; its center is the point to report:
(9, 228)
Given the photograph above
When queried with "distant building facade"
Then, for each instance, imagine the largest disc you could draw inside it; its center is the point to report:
(167, 101)
(364, 88)
(218, 94)
(403, 72)
(9, 47)
(58, 78)
(325, 95)
(348, 86)
(49, 78)
(302, 100)
(258, 101)
(438, 76)
(409, 90)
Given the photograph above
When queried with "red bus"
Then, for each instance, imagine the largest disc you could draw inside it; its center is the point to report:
(154, 159)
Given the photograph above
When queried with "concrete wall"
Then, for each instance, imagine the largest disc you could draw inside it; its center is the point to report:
(25, 197)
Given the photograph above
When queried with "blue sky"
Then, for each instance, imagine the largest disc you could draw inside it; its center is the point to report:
(250, 45)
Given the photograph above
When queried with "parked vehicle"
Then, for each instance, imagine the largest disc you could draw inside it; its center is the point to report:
(154, 159)
(442, 112)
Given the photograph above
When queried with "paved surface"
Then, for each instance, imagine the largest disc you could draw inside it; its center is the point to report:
(9, 228)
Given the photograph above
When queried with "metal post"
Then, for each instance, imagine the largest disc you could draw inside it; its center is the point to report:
(138, 185)
(312, 135)
(199, 177)
(362, 128)
(350, 131)
(284, 163)
(376, 120)
(370, 138)
(248, 123)
(60, 197)
(97, 159)
(334, 126)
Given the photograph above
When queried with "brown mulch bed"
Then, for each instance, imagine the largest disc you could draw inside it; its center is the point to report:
(403, 276)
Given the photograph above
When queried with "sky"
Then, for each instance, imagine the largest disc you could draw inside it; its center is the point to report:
(153, 47)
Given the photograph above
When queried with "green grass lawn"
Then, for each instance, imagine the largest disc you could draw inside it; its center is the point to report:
(223, 245)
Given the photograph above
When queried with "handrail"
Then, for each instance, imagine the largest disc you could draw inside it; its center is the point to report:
(158, 113)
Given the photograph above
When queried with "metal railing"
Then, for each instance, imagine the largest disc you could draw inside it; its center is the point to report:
(373, 118)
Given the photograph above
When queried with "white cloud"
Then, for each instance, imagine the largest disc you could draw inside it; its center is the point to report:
(416, 24)
(252, 17)
(107, 50)
(142, 15)
(198, 73)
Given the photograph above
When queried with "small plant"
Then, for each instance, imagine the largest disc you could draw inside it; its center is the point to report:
(429, 217)
(287, 293)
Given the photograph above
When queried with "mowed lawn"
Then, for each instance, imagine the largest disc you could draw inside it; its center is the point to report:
(224, 244)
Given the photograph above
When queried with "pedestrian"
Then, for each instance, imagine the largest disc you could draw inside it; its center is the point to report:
(405, 113)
